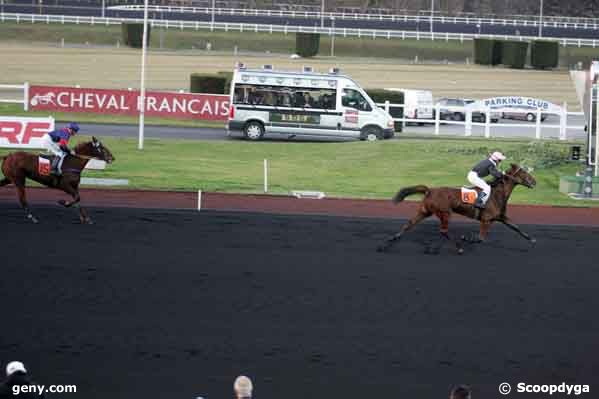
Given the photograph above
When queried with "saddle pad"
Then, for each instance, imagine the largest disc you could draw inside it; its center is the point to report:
(469, 196)
(43, 166)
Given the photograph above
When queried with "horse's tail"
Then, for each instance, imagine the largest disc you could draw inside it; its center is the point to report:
(407, 191)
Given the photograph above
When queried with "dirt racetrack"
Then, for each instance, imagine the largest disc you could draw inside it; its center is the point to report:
(176, 304)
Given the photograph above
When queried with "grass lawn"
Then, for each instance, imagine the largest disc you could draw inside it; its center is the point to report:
(352, 169)
(120, 68)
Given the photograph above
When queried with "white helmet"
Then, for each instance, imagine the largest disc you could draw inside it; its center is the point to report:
(497, 156)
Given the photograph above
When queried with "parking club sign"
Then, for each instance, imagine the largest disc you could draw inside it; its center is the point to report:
(520, 102)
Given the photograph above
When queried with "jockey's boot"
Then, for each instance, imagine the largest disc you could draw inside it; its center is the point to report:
(480, 201)
(55, 170)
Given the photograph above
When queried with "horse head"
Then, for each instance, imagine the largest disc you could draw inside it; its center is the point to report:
(95, 149)
(521, 175)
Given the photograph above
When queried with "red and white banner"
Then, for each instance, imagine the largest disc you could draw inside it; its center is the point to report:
(124, 102)
(17, 132)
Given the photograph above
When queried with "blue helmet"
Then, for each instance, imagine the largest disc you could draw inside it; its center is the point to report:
(74, 126)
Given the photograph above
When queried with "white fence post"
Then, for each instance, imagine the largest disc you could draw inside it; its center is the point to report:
(468, 123)
(265, 176)
(437, 119)
(563, 122)
(487, 122)
(538, 124)
(26, 96)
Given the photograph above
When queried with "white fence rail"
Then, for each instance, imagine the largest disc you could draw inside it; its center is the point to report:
(488, 126)
(22, 99)
(525, 21)
(270, 28)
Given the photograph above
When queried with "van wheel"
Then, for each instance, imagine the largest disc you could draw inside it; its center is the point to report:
(253, 130)
(372, 134)
(530, 117)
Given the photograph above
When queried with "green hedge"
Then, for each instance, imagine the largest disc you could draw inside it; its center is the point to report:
(207, 83)
(483, 51)
(132, 34)
(394, 97)
(544, 54)
(513, 54)
(307, 44)
(228, 78)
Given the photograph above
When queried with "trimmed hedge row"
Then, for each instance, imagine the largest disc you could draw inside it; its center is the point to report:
(132, 34)
(394, 97)
(513, 54)
(307, 44)
(219, 83)
(207, 83)
(544, 54)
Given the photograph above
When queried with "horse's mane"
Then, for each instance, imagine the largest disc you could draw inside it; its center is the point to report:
(80, 146)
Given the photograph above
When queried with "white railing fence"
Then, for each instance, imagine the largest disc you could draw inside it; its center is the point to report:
(22, 99)
(317, 15)
(487, 124)
(271, 28)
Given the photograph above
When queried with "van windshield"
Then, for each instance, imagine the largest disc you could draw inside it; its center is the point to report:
(285, 96)
(354, 99)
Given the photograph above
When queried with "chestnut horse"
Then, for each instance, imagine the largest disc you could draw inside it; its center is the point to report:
(442, 201)
(18, 166)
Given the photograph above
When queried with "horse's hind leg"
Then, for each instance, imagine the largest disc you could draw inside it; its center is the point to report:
(444, 235)
(20, 184)
(420, 216)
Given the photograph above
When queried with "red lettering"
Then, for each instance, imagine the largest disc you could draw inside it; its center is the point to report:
(34, 130)
(10, 130)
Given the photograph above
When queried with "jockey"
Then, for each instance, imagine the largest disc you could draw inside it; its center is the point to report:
(56, 142)
(482, 169)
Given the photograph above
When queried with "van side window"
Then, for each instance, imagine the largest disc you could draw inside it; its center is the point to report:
(285, 96)
(353, 99)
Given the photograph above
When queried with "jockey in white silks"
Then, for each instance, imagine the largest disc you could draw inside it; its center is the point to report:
(483, 169)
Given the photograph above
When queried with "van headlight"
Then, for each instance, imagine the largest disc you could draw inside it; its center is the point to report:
(391, 123)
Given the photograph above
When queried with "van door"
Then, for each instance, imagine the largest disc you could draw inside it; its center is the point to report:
(356, 110)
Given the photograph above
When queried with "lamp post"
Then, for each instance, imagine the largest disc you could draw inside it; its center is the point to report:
(142, 91)
(432, 15)
(333, 36)
(213, 10)
(541, 19)
(322, 14)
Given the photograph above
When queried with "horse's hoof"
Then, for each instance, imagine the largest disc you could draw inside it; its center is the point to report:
(533, 241)
(460, 251)
(33, 219)
(62, 202)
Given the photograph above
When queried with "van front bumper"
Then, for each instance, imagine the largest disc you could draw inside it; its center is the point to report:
(388, 133)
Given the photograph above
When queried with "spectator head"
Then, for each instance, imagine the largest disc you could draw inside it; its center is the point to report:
(15, 367)
(461, 392)
(243, 387)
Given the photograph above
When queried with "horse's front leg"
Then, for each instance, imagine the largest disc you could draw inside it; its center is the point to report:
(73, 190)
(482, 234)
(506, 221)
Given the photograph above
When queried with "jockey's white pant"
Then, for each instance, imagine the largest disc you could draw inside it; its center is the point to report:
(475, 180)
(54, 148)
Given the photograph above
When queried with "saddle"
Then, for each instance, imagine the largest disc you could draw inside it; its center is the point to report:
(469, 195)
(45, 163)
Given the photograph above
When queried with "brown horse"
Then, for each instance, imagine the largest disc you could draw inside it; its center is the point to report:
(18, 166)
(442, 201)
